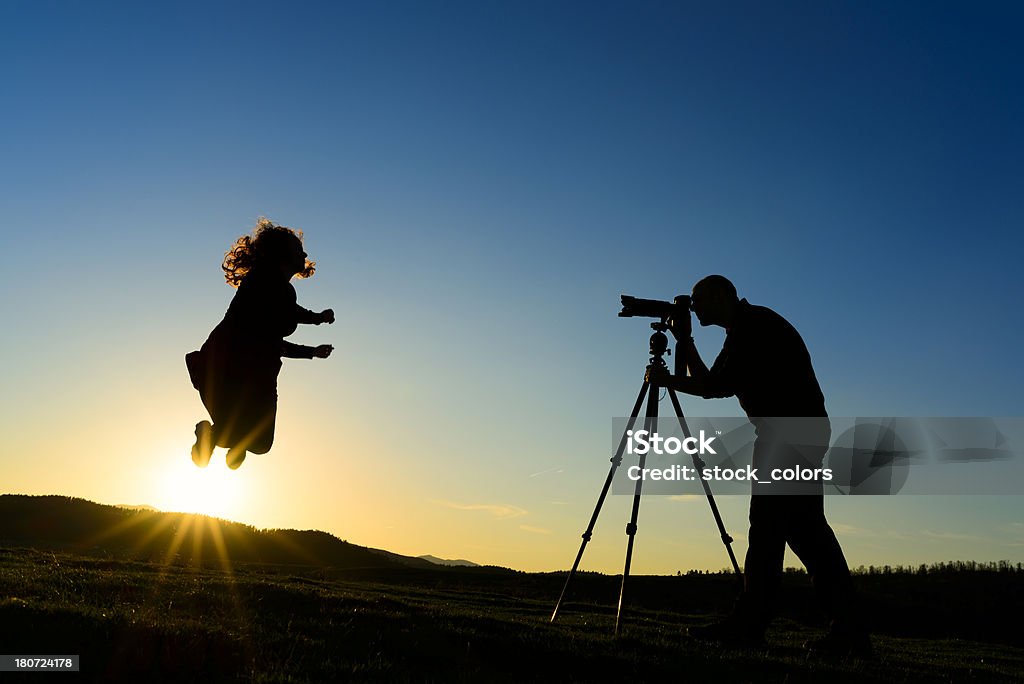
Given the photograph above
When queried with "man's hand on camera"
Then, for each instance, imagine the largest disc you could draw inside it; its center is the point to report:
(680, 327)
(657, 375)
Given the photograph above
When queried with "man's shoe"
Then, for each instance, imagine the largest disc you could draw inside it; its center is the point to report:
(841, 643)
(202, 450)
(732, 631)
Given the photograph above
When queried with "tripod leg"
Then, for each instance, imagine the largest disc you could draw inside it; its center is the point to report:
(700, 465)
(616, 461)
(651, 424)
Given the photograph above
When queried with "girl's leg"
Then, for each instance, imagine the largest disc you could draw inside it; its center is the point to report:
(260, 422)
(260, 419)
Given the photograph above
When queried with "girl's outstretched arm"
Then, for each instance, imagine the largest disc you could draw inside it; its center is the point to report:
(311, 318)
(290, 350)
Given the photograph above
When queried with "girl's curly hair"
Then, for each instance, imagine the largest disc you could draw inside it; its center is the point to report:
(265, 244)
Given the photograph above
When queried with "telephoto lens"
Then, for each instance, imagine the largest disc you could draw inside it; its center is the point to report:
(677, 309)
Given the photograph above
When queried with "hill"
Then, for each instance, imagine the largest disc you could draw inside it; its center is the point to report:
(84, 527)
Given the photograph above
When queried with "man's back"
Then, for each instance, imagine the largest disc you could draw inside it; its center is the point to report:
(765, 363)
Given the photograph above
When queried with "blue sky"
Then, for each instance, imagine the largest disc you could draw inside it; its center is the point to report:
(479, 182)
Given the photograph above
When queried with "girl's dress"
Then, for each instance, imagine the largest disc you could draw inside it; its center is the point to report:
(236, 369)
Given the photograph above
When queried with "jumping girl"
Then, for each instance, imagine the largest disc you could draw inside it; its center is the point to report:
(236, 369)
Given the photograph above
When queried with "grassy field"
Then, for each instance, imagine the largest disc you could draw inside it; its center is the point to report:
(133, 620)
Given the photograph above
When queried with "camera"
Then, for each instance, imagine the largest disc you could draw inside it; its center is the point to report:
(678, 309)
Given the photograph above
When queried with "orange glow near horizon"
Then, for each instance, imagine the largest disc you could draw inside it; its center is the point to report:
(215, 490)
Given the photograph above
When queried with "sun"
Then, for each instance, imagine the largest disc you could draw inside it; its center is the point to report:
(215, 490)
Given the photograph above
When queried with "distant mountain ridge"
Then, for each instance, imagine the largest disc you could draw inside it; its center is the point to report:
(445, 561)
(60, 522)
(138, 507)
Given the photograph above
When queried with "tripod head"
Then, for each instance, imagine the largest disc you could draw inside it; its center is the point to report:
(659, 342)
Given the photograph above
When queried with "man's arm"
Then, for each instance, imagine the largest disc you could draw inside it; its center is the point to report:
(680, 383)
(691, 358)
(714, 383)
(688, 384)
(688, 358)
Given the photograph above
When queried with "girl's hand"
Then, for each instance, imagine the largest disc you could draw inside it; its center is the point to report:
(322, 351)
(327, 316)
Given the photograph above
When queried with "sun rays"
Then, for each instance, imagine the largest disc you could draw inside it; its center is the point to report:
(215, 490)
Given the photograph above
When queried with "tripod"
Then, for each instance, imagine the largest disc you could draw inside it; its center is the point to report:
(658, 348)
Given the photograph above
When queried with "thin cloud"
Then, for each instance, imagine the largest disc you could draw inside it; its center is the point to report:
(502, 511)
(854, 531)
(534, 530)
(548, 471)
(953, 536)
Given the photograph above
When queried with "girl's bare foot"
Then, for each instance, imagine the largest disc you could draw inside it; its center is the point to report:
(202, 450)
(235, 457)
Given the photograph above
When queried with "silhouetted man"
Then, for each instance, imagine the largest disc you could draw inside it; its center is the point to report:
(765, 364)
